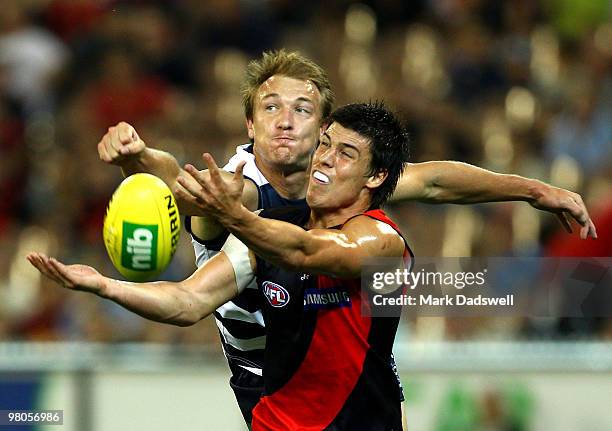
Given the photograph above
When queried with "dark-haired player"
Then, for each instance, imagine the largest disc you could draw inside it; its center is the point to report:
(325, 367)
(286, 98)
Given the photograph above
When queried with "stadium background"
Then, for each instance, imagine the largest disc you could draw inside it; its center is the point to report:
(521, 86)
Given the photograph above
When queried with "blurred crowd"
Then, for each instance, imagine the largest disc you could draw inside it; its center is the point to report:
(518, 87)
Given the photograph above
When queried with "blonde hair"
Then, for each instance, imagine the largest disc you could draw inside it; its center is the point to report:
(289, 64)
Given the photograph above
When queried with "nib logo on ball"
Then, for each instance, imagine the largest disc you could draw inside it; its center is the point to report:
(141, 227)
(139, 248)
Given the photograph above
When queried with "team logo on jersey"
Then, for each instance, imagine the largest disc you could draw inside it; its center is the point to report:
(277, 295)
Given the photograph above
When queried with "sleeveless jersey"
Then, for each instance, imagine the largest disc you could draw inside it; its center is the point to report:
(327, 366)
(240, 321)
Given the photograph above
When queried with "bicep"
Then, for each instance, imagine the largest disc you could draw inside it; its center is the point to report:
(343, 253)
(250, 195)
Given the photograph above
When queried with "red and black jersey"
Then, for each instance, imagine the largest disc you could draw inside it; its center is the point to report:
(326, 366)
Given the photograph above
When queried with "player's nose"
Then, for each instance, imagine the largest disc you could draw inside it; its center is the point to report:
(285, 119)
(326, 158)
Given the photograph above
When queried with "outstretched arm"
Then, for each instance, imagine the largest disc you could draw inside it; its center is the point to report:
(122, 146)
(182, 303)
(340, 253)
(461, 183)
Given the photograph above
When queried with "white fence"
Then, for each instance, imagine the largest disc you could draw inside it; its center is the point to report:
(562, 386)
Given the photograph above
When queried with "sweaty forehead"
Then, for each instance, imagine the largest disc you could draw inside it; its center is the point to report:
(289, 88)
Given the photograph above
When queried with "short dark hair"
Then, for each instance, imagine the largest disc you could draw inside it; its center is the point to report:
(292, 65)
(388, 138)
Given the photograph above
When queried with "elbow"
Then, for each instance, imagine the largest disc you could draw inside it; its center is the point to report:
(189, 315)
(182, 319)
(433, 194)
(184, 323)
(186, 319)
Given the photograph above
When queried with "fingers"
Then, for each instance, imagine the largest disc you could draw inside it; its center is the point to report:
(62, 272)
(564, 222)
(131, 148)
(182, 194)
(588, 227)
(128, 140)
(119, 141)
(569, 203)
(40, 262)
(126, 133)
(113, 143)
(588, 230)
(193, 183)
(51, 270)
(579, 212)
(49, 262)
(34, 260)
(195, 177)
(213, 169)
(239, 169)
(592, 229)
(102, 151)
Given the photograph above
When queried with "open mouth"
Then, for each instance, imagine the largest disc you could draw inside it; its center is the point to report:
(321, 177)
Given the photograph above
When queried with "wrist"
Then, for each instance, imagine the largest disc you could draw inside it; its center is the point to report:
(535, 190)
(107, 288)
(238, 218)
(132, 164)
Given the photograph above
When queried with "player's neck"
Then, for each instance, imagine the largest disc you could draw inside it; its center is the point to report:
(290, 184)
(324, 218)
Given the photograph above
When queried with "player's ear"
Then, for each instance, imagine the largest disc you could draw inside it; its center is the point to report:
(249, 126)
(375, 180)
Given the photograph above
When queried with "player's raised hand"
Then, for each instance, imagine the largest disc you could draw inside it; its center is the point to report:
(563, 203)
(216, 192)
(75, 277)
(120, 144)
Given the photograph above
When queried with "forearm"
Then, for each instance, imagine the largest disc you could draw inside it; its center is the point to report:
(155, 162)
(290, 245)
(159, 301)
(461, 183)
(165, 166)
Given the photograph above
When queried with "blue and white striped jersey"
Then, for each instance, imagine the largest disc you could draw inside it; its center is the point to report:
(240, 321)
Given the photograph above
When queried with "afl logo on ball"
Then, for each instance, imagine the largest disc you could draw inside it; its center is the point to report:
(277, 295)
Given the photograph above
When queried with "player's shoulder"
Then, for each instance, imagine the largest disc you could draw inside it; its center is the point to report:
(244, 153)
(380, 233)
(367, 223)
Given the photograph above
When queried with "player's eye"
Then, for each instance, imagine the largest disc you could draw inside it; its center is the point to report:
(302, 110)
(270, 107)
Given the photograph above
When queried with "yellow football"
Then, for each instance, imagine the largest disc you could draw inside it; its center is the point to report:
(141, 227)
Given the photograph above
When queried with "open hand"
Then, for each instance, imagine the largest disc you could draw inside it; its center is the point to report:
(75, 277)
(213, 191)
